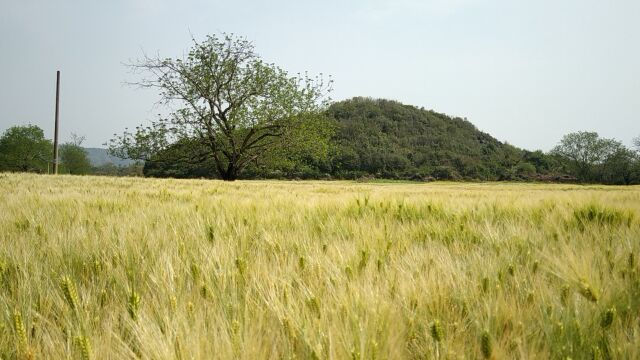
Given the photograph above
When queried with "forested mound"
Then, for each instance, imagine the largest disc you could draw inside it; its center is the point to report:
(382, 139)
(389, 139)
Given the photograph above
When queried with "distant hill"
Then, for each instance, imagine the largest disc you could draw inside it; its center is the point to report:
(98, 157)
(388, 139)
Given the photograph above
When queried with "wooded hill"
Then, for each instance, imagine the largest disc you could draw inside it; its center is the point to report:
(389, 139)
(386, 139)
(361, 138)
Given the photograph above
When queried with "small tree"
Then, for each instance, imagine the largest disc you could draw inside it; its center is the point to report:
(74, 158)
(238, 108)
(24, 148)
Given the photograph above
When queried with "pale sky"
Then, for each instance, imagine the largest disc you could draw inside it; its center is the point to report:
(525, 71)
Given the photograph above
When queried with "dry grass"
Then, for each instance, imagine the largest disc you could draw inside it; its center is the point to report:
(95, 267)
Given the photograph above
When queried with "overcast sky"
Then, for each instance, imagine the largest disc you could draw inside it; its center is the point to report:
(526, 72)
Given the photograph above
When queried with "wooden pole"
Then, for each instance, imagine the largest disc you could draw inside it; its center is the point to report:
(55, 136)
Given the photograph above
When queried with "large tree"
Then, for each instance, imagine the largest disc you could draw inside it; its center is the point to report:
(237, 107)
(24, 148)
(584, 151)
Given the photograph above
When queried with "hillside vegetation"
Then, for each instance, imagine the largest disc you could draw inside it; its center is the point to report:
(390, 139)
(360, 138)
(375, 138)
(158, 269)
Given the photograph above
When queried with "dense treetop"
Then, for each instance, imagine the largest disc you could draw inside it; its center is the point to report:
(24, 148)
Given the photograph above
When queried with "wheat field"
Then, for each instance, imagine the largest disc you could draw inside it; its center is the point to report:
(119, 268)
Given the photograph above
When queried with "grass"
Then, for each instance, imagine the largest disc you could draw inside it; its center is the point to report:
(94, 267)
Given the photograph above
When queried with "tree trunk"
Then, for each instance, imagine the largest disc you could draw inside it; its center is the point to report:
(231, 174)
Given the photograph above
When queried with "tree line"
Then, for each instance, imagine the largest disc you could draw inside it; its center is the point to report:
(236, 116)
(25, 149)
(373, 138)
(355, 153)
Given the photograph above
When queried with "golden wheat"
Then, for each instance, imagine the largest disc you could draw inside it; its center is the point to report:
(161, 269)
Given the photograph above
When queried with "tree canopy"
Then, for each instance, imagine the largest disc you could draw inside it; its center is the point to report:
(233, 107)
(584, 151)
(73, 157)
(24, 148)
(595, 159)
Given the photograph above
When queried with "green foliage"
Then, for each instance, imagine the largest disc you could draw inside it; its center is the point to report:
(309, 145)
(74, 159)
(584, 149)
(542, 162)
(621, 167)
(142, 144)
(185, 158)
(229, 102)
(308, 152)
(525, 169)
(371, 138)
(24, 148)
(365, 138)
(594, 159)
(388, 139)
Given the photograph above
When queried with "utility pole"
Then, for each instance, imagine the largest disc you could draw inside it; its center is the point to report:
(55, 135)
